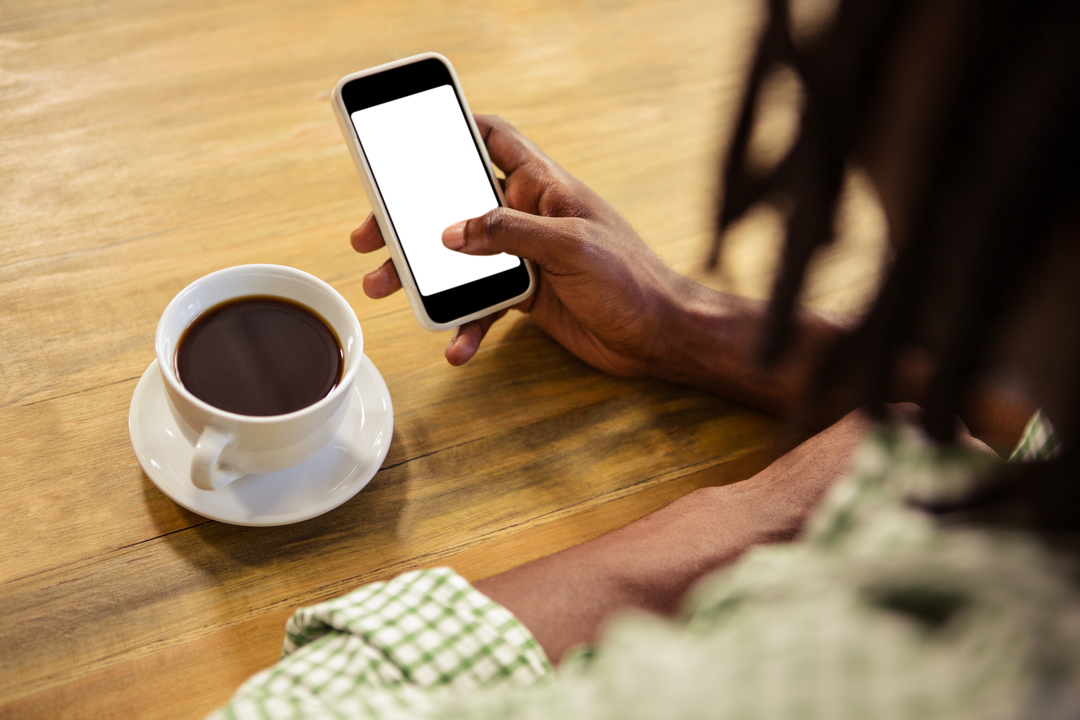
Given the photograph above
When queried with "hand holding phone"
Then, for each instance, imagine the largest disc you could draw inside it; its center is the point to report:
(601, 292)
(424, 167)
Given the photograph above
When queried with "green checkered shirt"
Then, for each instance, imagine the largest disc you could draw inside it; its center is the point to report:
(876, 612)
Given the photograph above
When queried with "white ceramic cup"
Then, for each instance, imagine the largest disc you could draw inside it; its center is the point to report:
(228, 445)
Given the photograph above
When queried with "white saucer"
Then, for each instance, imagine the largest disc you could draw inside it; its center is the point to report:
(335, 474)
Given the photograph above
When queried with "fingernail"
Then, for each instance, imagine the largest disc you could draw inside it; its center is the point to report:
(453, 237)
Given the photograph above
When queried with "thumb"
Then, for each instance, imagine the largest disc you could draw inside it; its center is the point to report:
(548, 241)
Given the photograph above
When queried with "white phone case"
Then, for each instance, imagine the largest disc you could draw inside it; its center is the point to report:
(379, 209)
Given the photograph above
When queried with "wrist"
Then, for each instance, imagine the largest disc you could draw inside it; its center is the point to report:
(680, 317)
(710, 340)
(707, 339)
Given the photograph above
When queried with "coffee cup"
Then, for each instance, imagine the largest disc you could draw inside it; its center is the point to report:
(231, 440)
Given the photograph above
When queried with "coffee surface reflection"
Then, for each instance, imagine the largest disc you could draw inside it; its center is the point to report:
(260, 356)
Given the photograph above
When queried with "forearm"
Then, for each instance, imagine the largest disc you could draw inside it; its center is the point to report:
(565, 598)
(710, 340)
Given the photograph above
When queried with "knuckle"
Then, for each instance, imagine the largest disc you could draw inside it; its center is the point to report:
(481, 232)
(496, 125)
(496, 222)
(573, 205)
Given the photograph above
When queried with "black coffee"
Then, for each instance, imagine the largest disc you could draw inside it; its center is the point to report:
(259, 356)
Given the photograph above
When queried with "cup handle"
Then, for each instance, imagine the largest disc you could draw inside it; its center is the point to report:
(207, 472)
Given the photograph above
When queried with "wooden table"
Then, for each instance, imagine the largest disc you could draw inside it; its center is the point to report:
(144, 144)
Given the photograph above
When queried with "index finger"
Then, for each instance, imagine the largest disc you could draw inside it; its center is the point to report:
(508, 148)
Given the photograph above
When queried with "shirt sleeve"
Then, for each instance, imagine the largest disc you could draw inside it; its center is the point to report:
(1039, 441)
(389, 649)
(879, 610)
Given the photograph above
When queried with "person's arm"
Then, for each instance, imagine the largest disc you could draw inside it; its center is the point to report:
(610, 300)
(713, 339)
(604, 294)
(606, 297)
(564, 599)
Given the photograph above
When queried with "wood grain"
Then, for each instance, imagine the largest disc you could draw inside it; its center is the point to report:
(144, 144)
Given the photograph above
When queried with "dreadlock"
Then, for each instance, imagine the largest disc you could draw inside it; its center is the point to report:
(1002, 175)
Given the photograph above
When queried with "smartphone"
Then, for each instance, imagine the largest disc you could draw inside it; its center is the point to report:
(424, 167)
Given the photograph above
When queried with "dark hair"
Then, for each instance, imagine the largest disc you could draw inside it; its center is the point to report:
(1002, 174)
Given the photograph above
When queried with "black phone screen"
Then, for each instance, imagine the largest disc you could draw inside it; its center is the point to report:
(430, 174)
